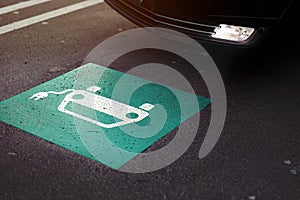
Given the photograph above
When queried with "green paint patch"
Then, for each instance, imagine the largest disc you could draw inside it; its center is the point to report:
(111, 122)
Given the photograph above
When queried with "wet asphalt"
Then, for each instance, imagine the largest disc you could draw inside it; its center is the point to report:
(256, 157)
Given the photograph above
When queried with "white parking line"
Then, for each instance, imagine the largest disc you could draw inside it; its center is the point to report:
(47, 16)
(21, 5)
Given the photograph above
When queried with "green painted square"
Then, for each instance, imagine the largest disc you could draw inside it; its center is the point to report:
(112, 146)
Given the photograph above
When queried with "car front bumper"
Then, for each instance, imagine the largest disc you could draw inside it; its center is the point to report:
(200, 32)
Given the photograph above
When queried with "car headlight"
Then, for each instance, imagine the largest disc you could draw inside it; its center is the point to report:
(232, 33)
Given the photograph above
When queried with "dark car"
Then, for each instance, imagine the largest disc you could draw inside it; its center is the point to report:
(237, 22)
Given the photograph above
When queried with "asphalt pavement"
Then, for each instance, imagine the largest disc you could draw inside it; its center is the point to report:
(256, 157)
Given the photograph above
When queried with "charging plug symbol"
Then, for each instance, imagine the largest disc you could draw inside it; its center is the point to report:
(125, 113)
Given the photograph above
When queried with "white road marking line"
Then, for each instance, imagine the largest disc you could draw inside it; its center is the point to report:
(48, 15)
(21, 5)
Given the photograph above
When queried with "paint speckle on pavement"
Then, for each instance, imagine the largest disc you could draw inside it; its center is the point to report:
(252, 197)
(288, 162)
(293, 171)
(56, 69)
